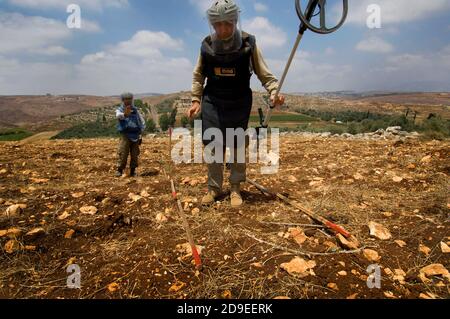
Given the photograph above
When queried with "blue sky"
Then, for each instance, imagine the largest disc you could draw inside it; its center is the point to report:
(152, 46)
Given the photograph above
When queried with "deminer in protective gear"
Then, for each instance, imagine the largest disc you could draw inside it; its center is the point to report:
(228, 58)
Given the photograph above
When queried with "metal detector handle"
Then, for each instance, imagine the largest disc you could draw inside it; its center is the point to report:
(309, 14)
(306, 24)
(306, 20)
(261, 116)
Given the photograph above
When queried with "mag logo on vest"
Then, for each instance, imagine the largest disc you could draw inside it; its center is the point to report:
(238, 146)
(225, 71)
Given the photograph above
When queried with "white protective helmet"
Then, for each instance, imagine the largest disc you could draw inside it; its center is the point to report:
(225, 11)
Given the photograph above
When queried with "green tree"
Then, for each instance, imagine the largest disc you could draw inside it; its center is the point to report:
(138, 103)
(352, 128)
(164, 122)
(145, 108)
(184, 121)
(165, 106)
(150, 126)
(173, 117)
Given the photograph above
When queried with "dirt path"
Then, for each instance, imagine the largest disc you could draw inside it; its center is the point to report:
(44, 136)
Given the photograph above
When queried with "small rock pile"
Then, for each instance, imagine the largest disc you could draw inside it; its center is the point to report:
(394, 132)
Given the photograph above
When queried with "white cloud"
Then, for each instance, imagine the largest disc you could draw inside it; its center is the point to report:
(407, 71)
(396, 11)
(329, 51)
(267, 35)
(20, 33)
(110, 74)
(89, 26)
(147, 44)
(143, 44)
(446, 49)
(436, 62)
(405, 61)
(51, 51)
(143, 63)
(140, 64)
(18, 77)
(444, 56)
(260, 7)
(37, 35)
(375, 45)
(306, 75)
(413, 71)
(201, 5)
(89, 4)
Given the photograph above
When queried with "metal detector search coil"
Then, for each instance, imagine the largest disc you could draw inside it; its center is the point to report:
(305, 18)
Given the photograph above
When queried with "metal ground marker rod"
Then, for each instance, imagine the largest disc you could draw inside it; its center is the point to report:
(320, 219)
(195, 254)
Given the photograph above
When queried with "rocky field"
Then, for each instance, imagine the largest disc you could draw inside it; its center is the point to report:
(61, 205)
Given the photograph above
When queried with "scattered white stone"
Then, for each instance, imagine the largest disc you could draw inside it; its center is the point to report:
(433, 270)
(444, 247)
(351, 243)
(299, 267)
(89, 210)
(401, 243)
(161, 218)
(63, 216)
(36, 232)
(397, 179)
(426, 159)
(379, 231)
(424, 249)
(371, 255)
(134, 197)
(15, 210)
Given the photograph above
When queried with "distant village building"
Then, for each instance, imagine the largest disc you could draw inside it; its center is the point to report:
(69, 98)
(183, 104)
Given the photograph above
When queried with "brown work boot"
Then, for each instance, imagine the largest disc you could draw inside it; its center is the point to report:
(236, 198)
(210, 198)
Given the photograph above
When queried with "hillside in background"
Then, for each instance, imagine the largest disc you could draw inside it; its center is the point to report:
(335, 112)
(25, 111)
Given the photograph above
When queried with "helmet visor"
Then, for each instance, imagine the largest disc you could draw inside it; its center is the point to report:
(226, 36)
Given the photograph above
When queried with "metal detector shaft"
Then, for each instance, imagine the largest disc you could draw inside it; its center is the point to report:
(283, 78)
(305, 25)
(314, 216)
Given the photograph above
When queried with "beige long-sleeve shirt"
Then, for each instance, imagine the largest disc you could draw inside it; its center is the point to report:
(268, 80)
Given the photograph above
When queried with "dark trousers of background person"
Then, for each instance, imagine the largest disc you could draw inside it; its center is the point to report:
(126, 148)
